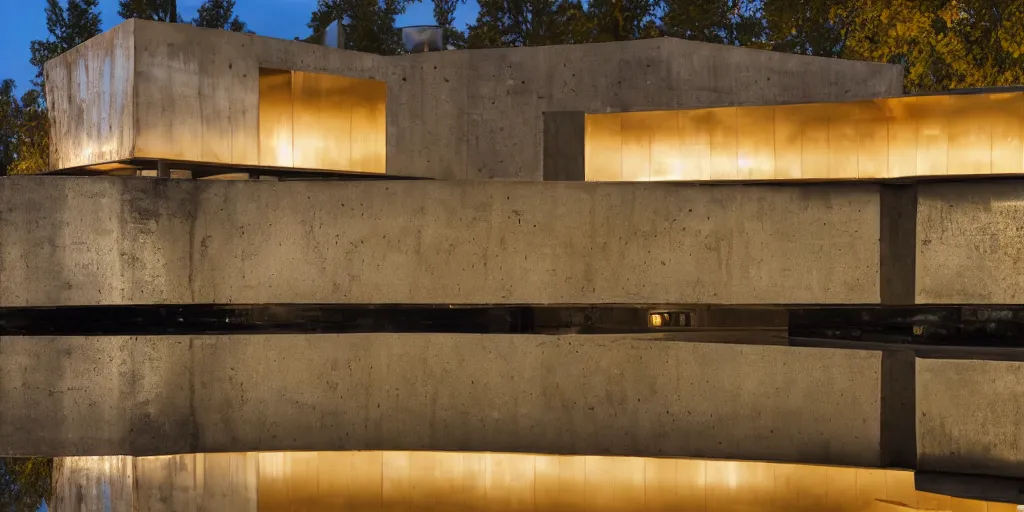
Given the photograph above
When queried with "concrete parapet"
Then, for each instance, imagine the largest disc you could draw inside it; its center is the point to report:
(969, 416)
(78, 241)
(600, 395)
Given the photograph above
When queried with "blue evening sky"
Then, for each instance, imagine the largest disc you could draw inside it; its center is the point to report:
(21, 21)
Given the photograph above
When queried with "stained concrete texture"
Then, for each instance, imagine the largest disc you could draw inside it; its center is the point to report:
(94, 484)
(80, 241)
(612, 395)
(475, 114)
(970, 243)
(969, 417)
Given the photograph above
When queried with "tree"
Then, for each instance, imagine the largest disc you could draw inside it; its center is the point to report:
(32, 142)
(68, 28)
(734, 22)
(24, 483)
(623, 20)
(812, 27)
(943, 44)
(219, 14)
(10, 115)
(369, 24)
(155, 10)
(502, 23)
(444, 16)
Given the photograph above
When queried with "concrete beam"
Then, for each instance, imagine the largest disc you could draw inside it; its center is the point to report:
(73, 241)
(969, 417)
(611, 395)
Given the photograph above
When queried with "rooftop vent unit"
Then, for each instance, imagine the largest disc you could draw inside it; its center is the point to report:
(422, 38)
(333, 36)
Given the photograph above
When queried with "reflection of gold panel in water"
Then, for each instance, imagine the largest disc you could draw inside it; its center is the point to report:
(326, 122)
(965, 134)
(429, 481)
(425, 481)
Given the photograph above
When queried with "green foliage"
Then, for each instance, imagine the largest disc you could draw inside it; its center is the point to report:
(24, 483)
(444, 16)
(24, 131)
(529, 23)
(219, 14)
(943, 44)
(155, 10)
(68, 27)
(10, 113)
(32, 143)
(622, 20)
(369, 24)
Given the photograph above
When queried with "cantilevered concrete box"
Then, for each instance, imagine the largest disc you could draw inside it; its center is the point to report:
(172, 91)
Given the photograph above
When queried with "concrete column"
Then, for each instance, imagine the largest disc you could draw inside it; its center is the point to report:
(564, 146)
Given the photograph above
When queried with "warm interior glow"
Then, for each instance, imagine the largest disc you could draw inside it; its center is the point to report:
(322, 122)
(962, 134)
(424, 481)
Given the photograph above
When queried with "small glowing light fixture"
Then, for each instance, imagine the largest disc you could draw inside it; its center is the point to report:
(669, 319)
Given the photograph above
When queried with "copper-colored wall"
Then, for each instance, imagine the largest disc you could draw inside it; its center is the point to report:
(427, 481)
(324, 122)
(965, 134)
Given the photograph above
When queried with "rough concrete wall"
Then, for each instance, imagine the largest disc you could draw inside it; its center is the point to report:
(93, 241)
(89, 93)
(969, 417)
(970, 244)
(135, 240)
(479, 114)
(619, 395)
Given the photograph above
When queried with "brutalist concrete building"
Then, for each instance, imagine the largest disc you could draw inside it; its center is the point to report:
(656, 274)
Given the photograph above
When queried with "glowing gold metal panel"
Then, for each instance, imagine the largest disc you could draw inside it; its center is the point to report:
(275, 118)
(429, 481)
(917, 136)
(603, 148)
(637, 128)
(324, 122)
(426, 481)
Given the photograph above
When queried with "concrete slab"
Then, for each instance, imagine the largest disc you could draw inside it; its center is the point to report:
(969, 417)
(970, 244)
(143, 241)
(615, 395)
(474, 114)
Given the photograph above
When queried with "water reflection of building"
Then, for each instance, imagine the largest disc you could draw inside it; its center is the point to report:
(428, 481)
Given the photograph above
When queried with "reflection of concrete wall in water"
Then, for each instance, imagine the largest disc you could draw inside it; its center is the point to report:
(423, 481)
(960, 134)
